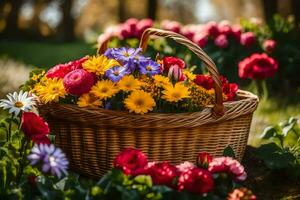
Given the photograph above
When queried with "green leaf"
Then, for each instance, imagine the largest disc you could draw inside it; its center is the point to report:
(289, 126)
(269, 132)
(228, 151)
(143, 179)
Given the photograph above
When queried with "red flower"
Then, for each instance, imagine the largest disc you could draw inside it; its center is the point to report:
(60, 70)
(204, 159)
(269, 45)
(258, 66)
(230, 90)
(196, 180)
(170, 61)
(212, 29)
(200, 39)
(247, 39)
(78, 82)
(131, 161)
(225, 28)
(35, 128)
(236, 32)
(205, 81)
(221, 41)
(163, 174)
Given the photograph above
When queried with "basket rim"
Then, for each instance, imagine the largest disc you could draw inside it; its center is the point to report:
(246, 104)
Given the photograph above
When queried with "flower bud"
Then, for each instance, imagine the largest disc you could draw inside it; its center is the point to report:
(204, 159)
(269, 45)
(175, 73)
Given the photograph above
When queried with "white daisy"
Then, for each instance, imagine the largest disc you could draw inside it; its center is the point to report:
(17, 101)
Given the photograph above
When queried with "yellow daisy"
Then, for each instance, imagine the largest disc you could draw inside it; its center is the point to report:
(139, 102)
(190, 76)
(175, 93)
(99, 64)
(89, 100)
(161, 81)
(104, 89)
(50, 90)
(129, 83)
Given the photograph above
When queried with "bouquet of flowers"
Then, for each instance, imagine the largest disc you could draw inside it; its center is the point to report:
(125, 79)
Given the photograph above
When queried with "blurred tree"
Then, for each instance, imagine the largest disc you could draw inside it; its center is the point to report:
(152, 8)
(270, 8)
(68, 22)
(12, 18)
(121, 9)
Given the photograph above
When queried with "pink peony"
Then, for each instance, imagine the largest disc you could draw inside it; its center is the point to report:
(247, 39)
(78, 82)
(229, 166)
(269, 45)
(221, 41)
(171, 26)
(185, 166)
(196, 180)
(60, 70)
(200, 39)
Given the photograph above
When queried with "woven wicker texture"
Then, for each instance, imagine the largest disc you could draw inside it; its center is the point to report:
(91, 138)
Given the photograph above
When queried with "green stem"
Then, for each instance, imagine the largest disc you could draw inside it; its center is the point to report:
(9, 128)
(25, 144)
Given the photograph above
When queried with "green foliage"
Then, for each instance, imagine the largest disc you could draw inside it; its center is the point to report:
(283, 151)
(228, 151)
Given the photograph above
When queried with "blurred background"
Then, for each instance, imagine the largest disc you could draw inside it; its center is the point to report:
(42, 33)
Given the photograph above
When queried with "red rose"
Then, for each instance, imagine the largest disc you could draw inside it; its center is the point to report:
(78, 82)
(205, 81)
(258, 66)
(221, 41)
(269, 45)
(230, 90)
(170, 61)
(60, 70)
(35, 128)
(163, 174)
(200, 39)
(196, 180)
(204, 159)
(247, 39)
(131, 161)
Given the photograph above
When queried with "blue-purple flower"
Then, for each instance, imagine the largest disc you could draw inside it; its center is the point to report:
(122, 54)
(116, 73)
(149, 67)
(51, 158)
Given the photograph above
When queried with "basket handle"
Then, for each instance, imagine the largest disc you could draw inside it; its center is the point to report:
(218, 109)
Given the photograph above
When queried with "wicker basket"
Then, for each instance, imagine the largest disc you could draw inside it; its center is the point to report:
(91, 138)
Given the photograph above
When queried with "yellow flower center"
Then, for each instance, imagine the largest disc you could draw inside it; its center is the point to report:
(139, 102)
(126, 54)
(149, 68)
(104, 90)
(55, 89)
(19, 104)
(176, 95)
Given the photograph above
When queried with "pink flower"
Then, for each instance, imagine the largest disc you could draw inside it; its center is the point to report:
(196, 180)
(163, 174)
(129, 28)
(185, 166)
(143, 25)
(200, 39)
(224, 27)
(171, 26)
(131, 161)
(188, 32)
(60, 70)
(269, 45)
(236, 32)
(212, 29)
(258, 66)
(78, 82)
(204, 159)
(247, 39)
(221, 41)
(229, 166)
(175, 73)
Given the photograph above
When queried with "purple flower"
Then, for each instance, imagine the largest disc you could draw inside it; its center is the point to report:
(122, 54)
(149, 67)
(51, 158)
(116, 73)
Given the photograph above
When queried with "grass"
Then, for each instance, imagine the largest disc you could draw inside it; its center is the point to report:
(44, 54)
